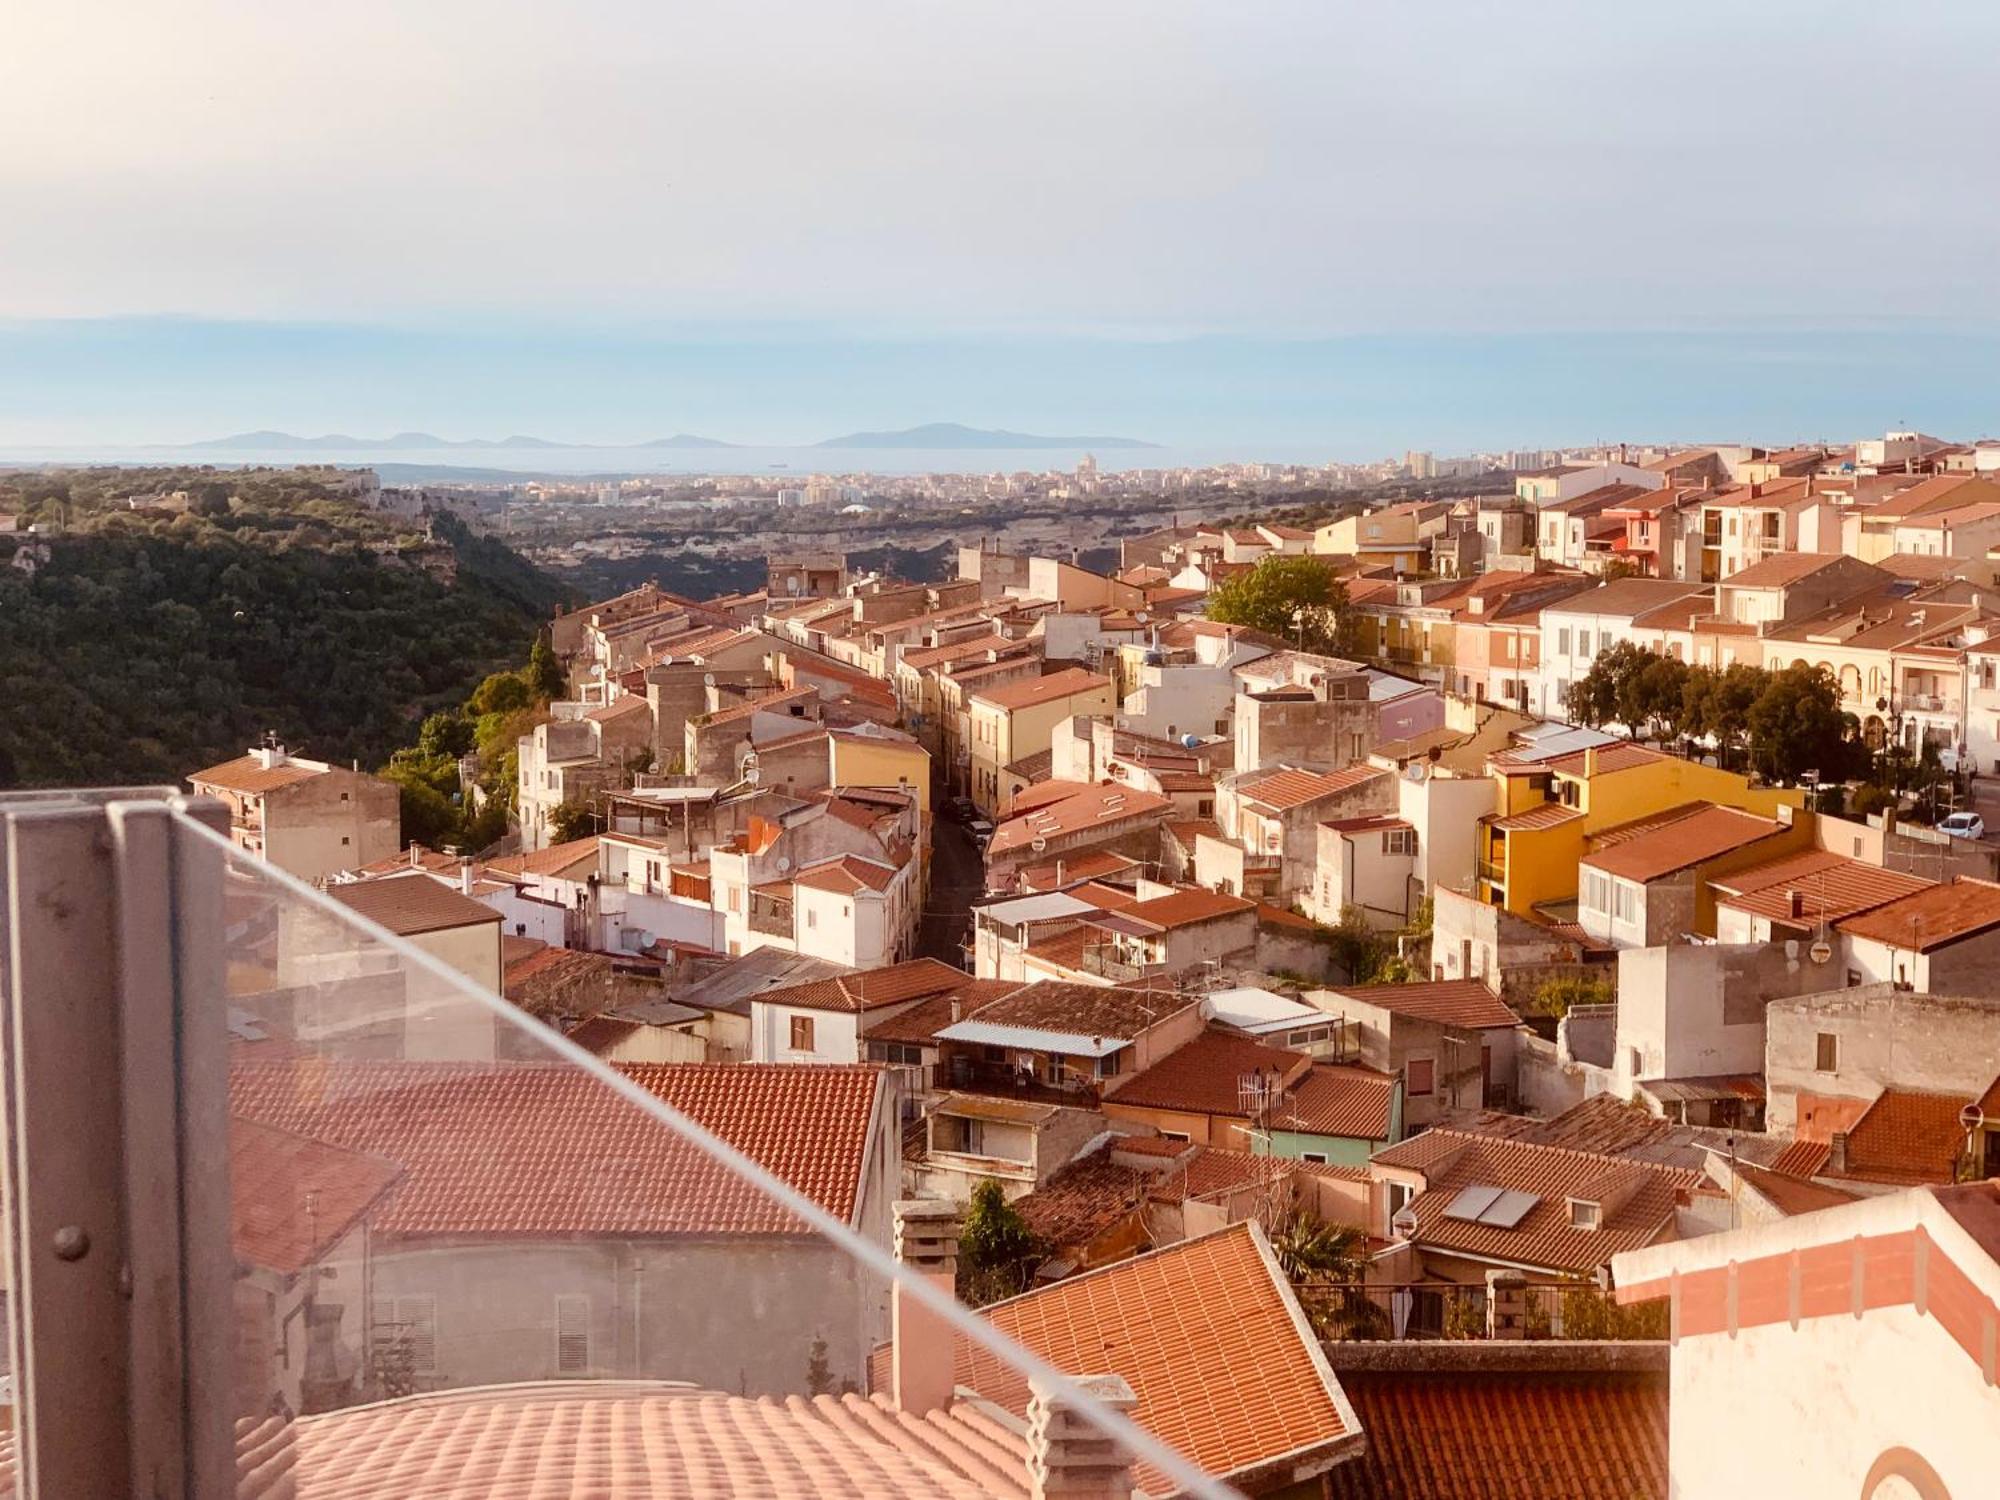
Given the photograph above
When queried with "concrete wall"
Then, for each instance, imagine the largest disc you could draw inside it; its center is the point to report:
(1324, 735)
(1883, 1037)
(336, 821)
(1694, 1012)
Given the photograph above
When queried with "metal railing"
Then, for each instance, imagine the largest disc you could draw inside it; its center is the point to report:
(1448, 1310)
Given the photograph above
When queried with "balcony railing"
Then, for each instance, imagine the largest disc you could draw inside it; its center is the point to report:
(1491, 871)
(1455, 1310)
(277, 1180)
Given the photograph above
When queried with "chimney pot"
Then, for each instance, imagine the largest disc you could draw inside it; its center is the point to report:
(1069, 1457)
(923, 1353)
(1796, 901)
(1836, 1153)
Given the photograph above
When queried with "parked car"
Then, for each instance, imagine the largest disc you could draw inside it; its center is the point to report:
(961, 809)
(1965, 825)
(982, 833)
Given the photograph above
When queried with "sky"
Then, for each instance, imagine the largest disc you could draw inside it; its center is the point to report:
(1432, 225)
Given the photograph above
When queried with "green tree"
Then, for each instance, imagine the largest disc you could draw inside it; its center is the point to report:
(997, 1252)
(819, 1374)
(1605, 693)
(1554, 996)
(544, 673)
(446, 734)
(501, 693)
(1796, 724)
(1327, 1265)
(1716, 705)
(573, 820)
(1298, 599)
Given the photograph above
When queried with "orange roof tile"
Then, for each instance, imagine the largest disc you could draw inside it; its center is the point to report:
(1109, 1012)
(1906, 1137)
(1175, 1324)
(1184, 909)
(1090, 866)
(848, 876)
(250, 775)
(891, 985)
(1452, 1160)
(1781, 570)
(556, 859)
(1451, 1002)
(409, 905)
(292, 1198)
(1338, 1099)
(1830, 886)
(640, 1440)
(1283, 790)
(1703, 832)
(1042, 793)
(1097, 806)
(1033, 691)
(1462, 1435)
(1204, 1076)
(1931, 917)
(537, 1150)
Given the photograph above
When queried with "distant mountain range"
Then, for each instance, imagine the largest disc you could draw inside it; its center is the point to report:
(935, 435)
(956, 435)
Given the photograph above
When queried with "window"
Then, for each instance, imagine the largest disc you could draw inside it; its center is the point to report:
(1394, 1202)
(408, 1325)
(345, 841)
(802, 1033)
(1625, 902)
(344, 797)
(1596, 889)
(1173, 1135)
(1826, 1053)
(903, 1054)
(572, 1334)
(1318, 1156)
(812, 917)
(1562, 642)
(1420, 1076)
(1584, 1214)
(1399, 841)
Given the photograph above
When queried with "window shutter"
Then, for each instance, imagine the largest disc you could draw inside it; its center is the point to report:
(572, 1334)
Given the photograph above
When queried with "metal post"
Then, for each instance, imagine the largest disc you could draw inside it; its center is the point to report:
(117, 1157)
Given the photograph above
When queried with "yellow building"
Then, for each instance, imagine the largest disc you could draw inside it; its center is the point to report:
(861, 759)
(1546, 810)
(1009, 723)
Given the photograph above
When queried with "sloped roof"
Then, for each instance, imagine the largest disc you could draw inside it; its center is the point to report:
(409, 905)
(1338, 1099)
(292, 1198)
(1452, 1160)
(1092, 806)
(537, 1150)
(1282, 790)
(1203, 1076)
(557, 860)
(621, 1440)
(1830, 886)
(1032, 691)
(1080, 1010)
(1176, 1324)
(1451, 1002)
(1931, 917)
(250, 775)
(849, 875)
(1781, 569)
(889, 985)
(1485, 1435)
(1704, 832)
(1906, 1136)
(1183, 909)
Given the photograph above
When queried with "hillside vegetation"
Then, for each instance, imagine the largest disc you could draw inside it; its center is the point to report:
(146, 645)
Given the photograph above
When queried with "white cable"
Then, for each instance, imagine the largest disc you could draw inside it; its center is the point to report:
(1141, 1443)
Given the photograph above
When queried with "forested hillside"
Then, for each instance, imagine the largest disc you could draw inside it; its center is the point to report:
(144, 645)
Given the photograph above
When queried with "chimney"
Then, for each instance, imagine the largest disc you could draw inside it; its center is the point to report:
(465, 878)
(1795, 904)
(1590, 763)
(1068, 1457)
(923, 1355)
(416, 855)
(1836, 1153)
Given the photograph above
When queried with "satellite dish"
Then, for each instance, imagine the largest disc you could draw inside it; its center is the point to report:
(1038, 843)
(1416, 771)
(751, 776)
(708, 679)
(646, 938)
(784, 863)
(1972, 1116)
(1404, 1223)
(1820, 951)
(750, 760)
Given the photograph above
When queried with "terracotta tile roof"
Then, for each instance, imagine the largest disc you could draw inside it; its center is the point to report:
(1042, 793)
(1338, 1099)
(539, 1150)
(1187, 830)
(1464, 1435)
(1033, 768)
(600, 1034)
(1067, 870)
(548, 969)
(1905, 1137)
(1452, 1160)
(1106, 1011)
(1931, 917)
(1548, 815)
(630, 703)
(1804, 1157)
(1701, 832)
(1624, 597)
(292, 1199)
(1065, 949)
(922, 1022)
(1033, 691)
(1204, 1076)
(1603, 1123)
(1791, 1195)
(1282, 790)
(1270, 915)
(769, 703)
(409, 905)
(891, 985)
(848, 876)
(248, 774)
(633, 1440)
(1208, 1172)
(1781, 570)
(1451, 1002)
(1175, 1324)
(1830, 886)
(557, 860)
(1184, 909)
(1103, 897)
(1089, 1197)
(961, 650)
(1096, 806)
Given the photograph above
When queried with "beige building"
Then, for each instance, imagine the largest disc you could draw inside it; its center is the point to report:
(1010, 723)
(308, 818)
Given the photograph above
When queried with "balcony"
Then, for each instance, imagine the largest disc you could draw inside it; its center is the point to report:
(287, 1195)
(772, 918)
(1491, 872)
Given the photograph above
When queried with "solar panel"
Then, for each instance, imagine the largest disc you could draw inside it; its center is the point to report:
(1471, 1202)
(1508, 1209)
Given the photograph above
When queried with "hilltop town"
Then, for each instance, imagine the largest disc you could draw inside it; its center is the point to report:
(1469, 938)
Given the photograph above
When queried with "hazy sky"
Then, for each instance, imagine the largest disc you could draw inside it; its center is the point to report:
(798, 172)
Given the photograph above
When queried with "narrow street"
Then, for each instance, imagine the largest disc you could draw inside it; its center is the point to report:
(958, 875)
